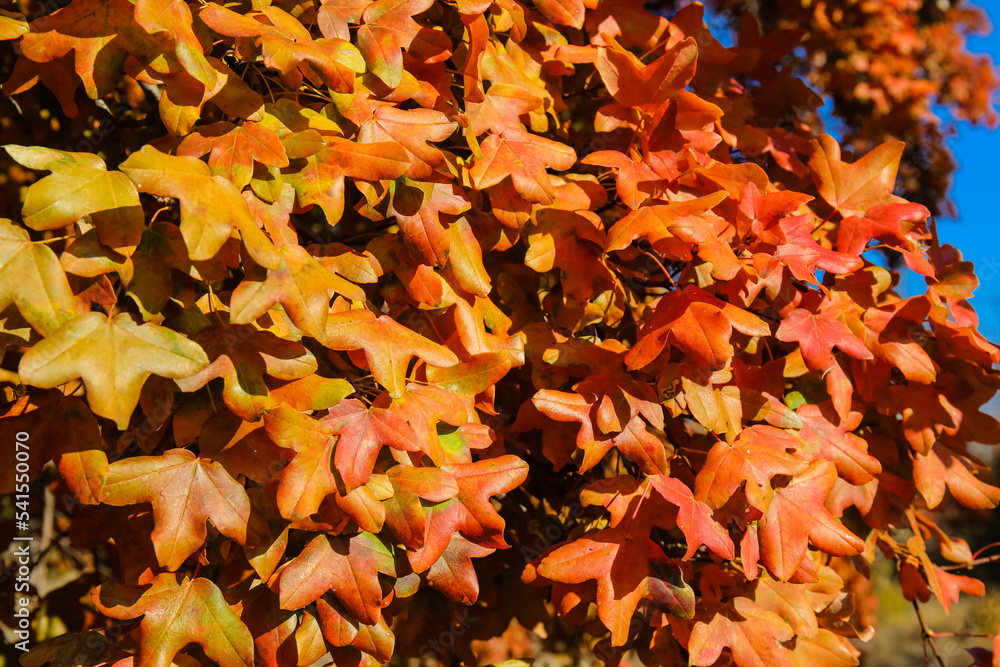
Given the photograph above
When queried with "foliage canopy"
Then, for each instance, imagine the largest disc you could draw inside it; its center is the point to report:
(399, 328)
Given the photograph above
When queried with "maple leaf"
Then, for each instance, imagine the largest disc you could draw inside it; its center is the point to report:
(854, 188)
(698, 323)
(321, 181)
(242, 356)
(631, 437)
(563, 12)
(185, 492)
(571, 241)
(453, 574)
(476, 483)
(173, 18)
(288, 47)
(12, 25)
(886, 331)
(32, 279)
(113, 356)
(300, 284)
(80, 185)
(308, 479)
(271, 626)
(233, 149)
(754, 635)
(524, 158)
(101, 36)
(817, 335)
(943, 467)
(348, 566)
(412, 129)
(804, 255)
(694, 518)
(632, 172)
(621, 565)
(418, 207)
(210, 205)
(177, 611)
(388, 346)
(362, 433)
(387, 29)
(847, 451)
(646, 87)
(404, 512)
(334, 17)
(148, 273)
(796, 514)
(466, 279)
(758, 454)
(472, 377)
(501, 108)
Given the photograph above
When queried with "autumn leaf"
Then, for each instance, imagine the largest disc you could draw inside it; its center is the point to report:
(185, 492)
(501, 108)
(32, 279)
(632, 173)
(361, 434)
(696, 322)
(796, 515)
(404, 512)
(12, 25)
(524, 158)
(210, 205)
(418, 207)
(572, 242)
(387, 28)
(101, 37)
(173, 18)
(351, 239)
(388, 346)
(694, 518)
(621, 565)
(471, 377)
(413, 130)
(943, 468)
(454, 574)
(854, 188)
(756, 456)
(288, 47)
(817, 335)
(647, 86)
(113, 356)
(477, 482)
(242, 356)
(300, 284)
(233, 149)
(348, 566)
(754, 636)
(177, 611)
(321, 180)
(308, 479)
(80, 185)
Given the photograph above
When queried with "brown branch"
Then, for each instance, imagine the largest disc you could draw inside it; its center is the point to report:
(972, 563)
(927, 636)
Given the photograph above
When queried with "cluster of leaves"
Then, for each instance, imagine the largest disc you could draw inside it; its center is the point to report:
(276, 353)
(889, 67)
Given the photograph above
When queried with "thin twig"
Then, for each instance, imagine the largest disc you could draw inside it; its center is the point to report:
(971, 564)
(927, 636)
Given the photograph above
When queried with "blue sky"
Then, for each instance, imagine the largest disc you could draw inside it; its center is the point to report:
(976, 193)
